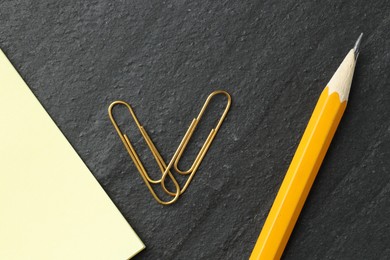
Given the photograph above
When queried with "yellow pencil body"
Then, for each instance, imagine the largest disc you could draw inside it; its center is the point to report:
(305, 165)
(300, 176)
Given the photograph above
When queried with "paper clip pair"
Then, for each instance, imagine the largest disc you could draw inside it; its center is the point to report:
(173, 163)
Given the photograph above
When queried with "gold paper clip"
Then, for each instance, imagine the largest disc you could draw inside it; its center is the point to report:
(166, 169)
(134, 156)
(180, 150)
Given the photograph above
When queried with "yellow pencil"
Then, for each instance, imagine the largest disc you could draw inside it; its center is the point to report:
(306, 162)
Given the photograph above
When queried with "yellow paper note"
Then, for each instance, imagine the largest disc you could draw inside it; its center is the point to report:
(51, 206)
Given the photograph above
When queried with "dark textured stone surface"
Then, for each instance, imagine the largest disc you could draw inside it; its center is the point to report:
(165, 57)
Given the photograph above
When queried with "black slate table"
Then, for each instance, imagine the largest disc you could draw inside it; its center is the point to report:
(165, 57)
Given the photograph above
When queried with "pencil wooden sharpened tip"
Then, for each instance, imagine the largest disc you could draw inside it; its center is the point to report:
(357, 46)
(306, 161)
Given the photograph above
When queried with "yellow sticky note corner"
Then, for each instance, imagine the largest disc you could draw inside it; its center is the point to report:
(51, 206)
